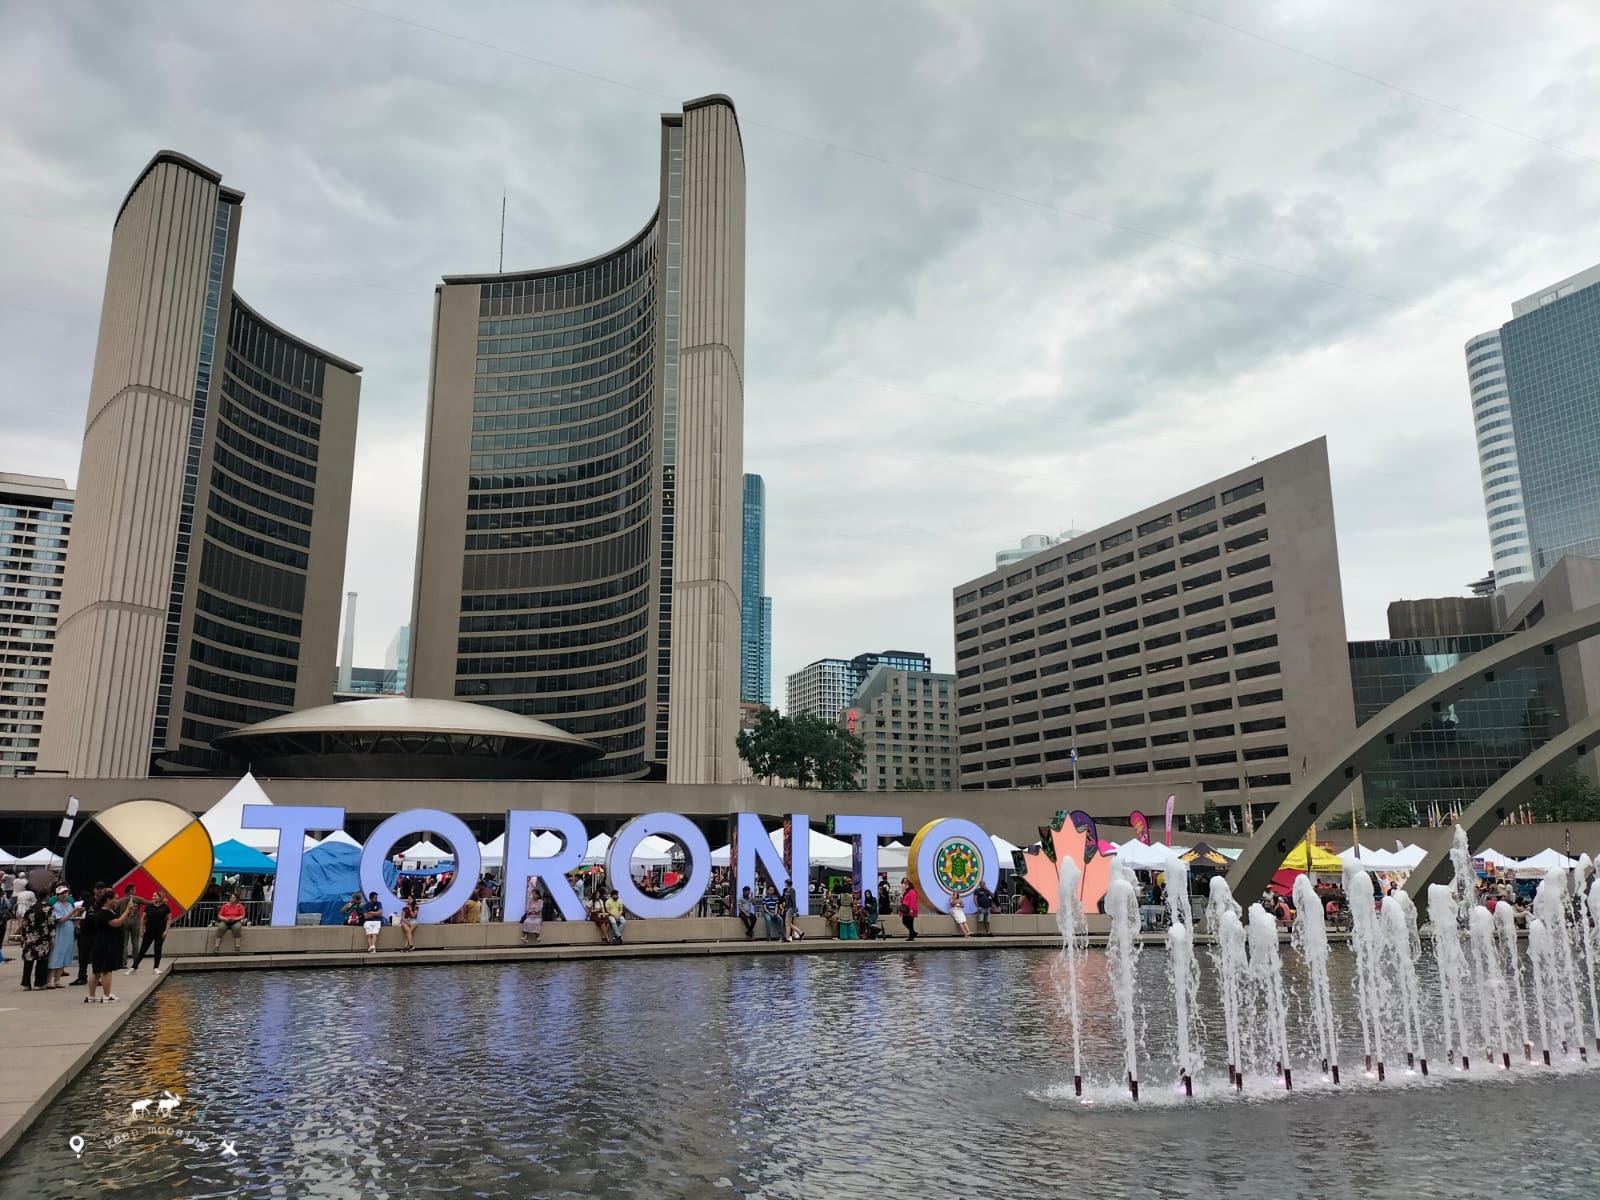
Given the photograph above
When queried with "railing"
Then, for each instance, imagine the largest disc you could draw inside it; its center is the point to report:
(204, 913)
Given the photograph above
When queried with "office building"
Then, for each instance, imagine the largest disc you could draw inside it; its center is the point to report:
(1199, 639)
(755, 624)
(1535, 385)
(35, 527)
(1031, 545)
(825, 688)
(398, 659)
(212, 506)
(906, 723)
(579, 548)
(364, 682)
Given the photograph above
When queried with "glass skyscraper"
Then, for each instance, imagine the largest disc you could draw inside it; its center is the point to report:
(755, 616)
(1536, 402)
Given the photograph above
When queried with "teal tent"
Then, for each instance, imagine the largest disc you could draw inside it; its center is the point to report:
(235, 858)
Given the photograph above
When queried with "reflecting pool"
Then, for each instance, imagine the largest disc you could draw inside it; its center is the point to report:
(841, 1075)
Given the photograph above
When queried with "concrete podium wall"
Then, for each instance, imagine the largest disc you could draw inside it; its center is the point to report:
(314, 939)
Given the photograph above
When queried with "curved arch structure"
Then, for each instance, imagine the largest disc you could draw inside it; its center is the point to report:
(1511, 789)
(1292, 819)
(578, 555)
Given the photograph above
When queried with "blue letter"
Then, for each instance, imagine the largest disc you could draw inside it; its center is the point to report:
(521, 825)
(935, 836)
(871, 830)
(407, 824)
(292, 824)
(619, 861)
(755, 844)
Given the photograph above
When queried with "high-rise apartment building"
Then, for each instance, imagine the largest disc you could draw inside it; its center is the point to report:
(1535, 385)
(824, 688)
(212, 505)
(580, 540)
(35, 527)
(755, 624)
(1198, 640)
(906, 723)
(398, 659)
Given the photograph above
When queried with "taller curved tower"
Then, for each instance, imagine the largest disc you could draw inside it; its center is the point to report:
(578, 553)
(202, 588)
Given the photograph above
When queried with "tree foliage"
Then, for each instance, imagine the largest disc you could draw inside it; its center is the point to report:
(1570, 796)
(1388, 810)
(805, 750)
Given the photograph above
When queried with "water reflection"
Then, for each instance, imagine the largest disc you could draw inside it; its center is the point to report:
(928, 1074)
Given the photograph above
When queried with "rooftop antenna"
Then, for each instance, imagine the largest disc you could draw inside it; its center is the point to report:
(502, 230)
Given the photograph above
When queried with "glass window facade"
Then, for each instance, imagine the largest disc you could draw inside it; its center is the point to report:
(1552, 374)
(1464, 749)
(755, 617)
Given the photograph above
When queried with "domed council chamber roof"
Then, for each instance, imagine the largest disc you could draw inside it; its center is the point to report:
(399, 738)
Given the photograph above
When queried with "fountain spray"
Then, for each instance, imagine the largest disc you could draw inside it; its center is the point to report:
(1185, 973)
(1228, 953)
(1122, 906)
(1366, 941)
(1505, 923)
(1073, 924)
(1591, 945)
(1489, 985)
(1452, 964)
(1266, 975)
(1310, 938)
(1404, 946)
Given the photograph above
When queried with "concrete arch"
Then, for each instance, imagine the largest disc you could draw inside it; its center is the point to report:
(1511, 789)
(1292, 819)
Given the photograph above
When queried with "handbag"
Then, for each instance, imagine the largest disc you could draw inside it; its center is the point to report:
(905, 909)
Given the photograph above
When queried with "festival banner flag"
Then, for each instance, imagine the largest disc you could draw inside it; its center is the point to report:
(1171, 801)
(1084, 824)
(1140, 825)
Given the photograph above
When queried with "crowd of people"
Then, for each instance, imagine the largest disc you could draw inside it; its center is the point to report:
(101, 933)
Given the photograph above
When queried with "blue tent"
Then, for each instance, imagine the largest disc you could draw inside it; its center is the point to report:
(235, 858)
(329, 875)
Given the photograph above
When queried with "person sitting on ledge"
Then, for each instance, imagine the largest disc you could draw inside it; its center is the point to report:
(615, 916)
(230, 919)
(747, 914)
(597, 915)
(869, 917)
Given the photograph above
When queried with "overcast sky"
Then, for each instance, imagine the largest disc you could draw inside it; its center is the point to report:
(1012, 267)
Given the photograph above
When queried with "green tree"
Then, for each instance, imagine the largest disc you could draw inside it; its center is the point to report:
(1388, 810)
(804, 750)
(1570, 796)
(1209, 821)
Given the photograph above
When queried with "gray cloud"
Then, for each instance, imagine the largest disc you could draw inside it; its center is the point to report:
(933, 369)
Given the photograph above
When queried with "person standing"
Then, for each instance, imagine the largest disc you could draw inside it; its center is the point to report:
(157, 915)
(133, 906)
(830, 914)
(102, 929)
(869, 916)
(985, 901)
(64, 941)
(790, 904)
(37, 934)
(908, 911)
(82, 915)
(747, 914)
(847, 918)
(372, 921)
(958, 913)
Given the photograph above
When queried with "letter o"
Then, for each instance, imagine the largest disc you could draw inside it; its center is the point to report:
(469, 864)
(924, 853)
(619, 860)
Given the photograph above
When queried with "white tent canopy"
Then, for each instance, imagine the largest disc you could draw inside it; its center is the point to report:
(896, 856)
(1547, 860)
(7, 858)
(1136, 856)
(1409, 857)
(1372, 859)
(541, 845)
(825, 851)
(1495, 859)
(425, 853)
(339, 838)
(40, 858)
(224, 819)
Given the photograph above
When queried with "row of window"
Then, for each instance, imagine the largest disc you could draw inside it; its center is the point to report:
(567, 335)
(634, 336)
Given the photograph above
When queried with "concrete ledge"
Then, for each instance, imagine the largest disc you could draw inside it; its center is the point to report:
(46, 1041)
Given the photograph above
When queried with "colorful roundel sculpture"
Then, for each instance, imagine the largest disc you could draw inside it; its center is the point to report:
(957, 863)
(148, 844)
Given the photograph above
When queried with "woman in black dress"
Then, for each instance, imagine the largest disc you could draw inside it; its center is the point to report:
(103, 930)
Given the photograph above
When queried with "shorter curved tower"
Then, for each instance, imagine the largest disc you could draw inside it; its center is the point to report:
(578, 555)
(202, 591)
